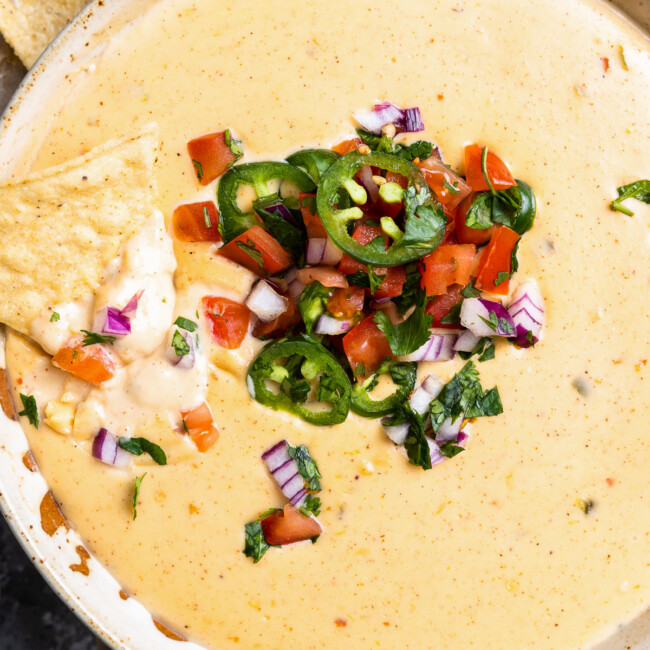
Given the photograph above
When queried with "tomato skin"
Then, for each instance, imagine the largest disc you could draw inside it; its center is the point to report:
(274, 257)
(391, 285)
(464, 233)
(366, 343)
(328, 276)
(188, 222)
(436, 173)
(288, 526)
(346, 303)
(313, 224)
(446, 265)
(442, 305)
(279, 325)
(92, 363)
(496, 259)
(200, 427)
(228, 320)
(213, 154)
(497, 170)
(347, 146)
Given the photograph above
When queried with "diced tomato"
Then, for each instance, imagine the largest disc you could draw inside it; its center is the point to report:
(366, 344)
(286, 320)
(450, 188)
(200, 427)
(348, 266)
(394, 177)
(497, 170)
(288, 526)
(441, 306)
(496, 259)
(347, 146)
(391, 285)
(365, 234)
(258, 242)
(313, 224)
(196, 222)
(228, 320)
(211, 156)
(346, 303)
(94, 363)
(446, 265)
(328, 276)
(464, 233)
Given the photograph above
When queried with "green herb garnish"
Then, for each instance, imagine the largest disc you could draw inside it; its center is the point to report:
(408, 336)
(30, 409)
(93, 338)
(639, 190)
(139, 446)
(198, 168)
(234, 146)
(54, 317)
(306, 466)
(186, 324)
(251, 251)
(206, 218)
(180, 345)
(136, 493)
(312, 505)
(502, 276)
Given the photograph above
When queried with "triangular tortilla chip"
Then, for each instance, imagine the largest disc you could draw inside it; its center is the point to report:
(60, 227)
(29, 25)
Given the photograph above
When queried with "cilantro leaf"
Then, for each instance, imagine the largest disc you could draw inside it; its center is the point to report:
(462, 397)
(186, 324)
(374, 280)
(420, 149)
(139, 446)
(408, 336)
(55, 317)
(470, 291)
(450, 449)
(514, 261)
(290, 233)
(639, 190)
(484, 349)
(30, 409)
(312, 505)
(425, 220)
(502, 207)
(252, 252)
(198, 168)
(410, 289)
(502, 276)
(93, 338)
(180, 345)
(136, 493)
(328, 390)
(453, 315)
(306, 466)
(255, 544)
(234, 146)
(416, 443)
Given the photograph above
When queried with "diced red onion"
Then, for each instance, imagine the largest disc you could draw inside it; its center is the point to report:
(332, 326)
(433, 385)
(476, 311)
(463, 439)
(281, 210)
(284, 470)
(398, 434)
(290, 275)
(436, 455)
(106, 449)
(332, 254)
(315, 250)
(265, 302)
(364, 177)
(449, 430)
(132, 305)
(295, 288)
(406, 120)
(186, 360)
(109, 320)
(527, 313)
(378, 302)
(420, 400)
(466, 342)
(440, 347)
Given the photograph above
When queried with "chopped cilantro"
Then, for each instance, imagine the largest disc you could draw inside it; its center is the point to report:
(452, 189)
(234, 146)
(639, 190)
(586, 505)
(251, 251)
(312, 505)
(54, 317)
(530, 339)
(416, 443)
(312, 302)
(139, 446)
(93, 338)
(30, 409)
(502, 276)
(486, 176)
(470, 291)
(136, 493)
(186, 324)
(180, 345)
(450, 449)
(408, 336)
(198, 168)
(306, 466)
(206, 218)
(255, 544)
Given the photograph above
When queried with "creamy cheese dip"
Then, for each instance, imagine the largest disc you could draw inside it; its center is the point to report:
(490, 550)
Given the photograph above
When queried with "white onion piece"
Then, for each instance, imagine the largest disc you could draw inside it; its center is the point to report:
(440, 347)
(106, 449)
(398, 434)
(527, 313)
(476, 311)
(364, 176)
(332, 254)
(284, 470)
(295, 288)
(265, 302)
(332, 326)
(420, 400)
(315, 250)
(434, 450)
(466, 342)
(449, 430)
(373, 120)
(433, 385)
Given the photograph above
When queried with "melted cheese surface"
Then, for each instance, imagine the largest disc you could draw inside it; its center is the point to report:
(489, 550)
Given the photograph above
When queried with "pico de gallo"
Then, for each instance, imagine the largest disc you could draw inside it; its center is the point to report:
(373, 256)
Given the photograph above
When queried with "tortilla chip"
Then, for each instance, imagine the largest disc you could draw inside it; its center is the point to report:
(60, 227)
(29, 25)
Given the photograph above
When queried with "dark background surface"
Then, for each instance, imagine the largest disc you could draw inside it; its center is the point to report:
(32, 617)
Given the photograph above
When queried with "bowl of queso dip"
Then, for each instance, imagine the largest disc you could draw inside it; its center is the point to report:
(326, 325)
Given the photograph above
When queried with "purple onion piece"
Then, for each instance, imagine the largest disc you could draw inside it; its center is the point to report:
(332, 326)
(132, 305)
(406, 120)
(276, 455)
(527, 313)
(433, 385)
(398, 433)
(315, 250)
(364, 177)
(411, 122)
(466, 342)
(106, 449)
(440, 347)
(437, 456)
(486, 318)
(285, 472)
(109, 320)
(332, 254)
(449, 429)
(281, 210)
